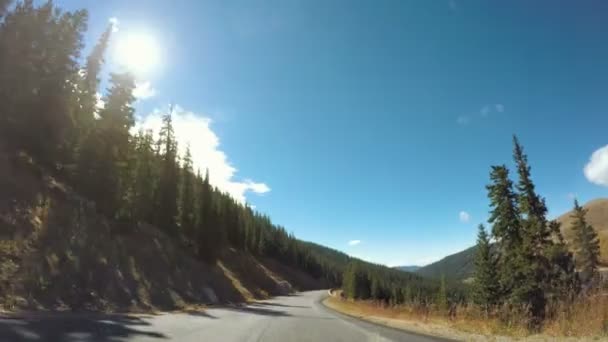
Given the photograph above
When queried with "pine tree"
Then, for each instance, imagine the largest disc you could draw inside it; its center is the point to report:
(187, 202)
(349, 285)
(586, 245)
(486, 286)
(564, 281)
(536, 240)
(167, 191)
(87, 99)
(39, 50)
(442, 295)
(506, 230)
(145, 178)
(112, 141)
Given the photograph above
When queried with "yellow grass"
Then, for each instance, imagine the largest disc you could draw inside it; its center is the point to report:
(587, 319)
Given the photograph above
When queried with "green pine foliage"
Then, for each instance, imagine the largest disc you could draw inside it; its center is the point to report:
(486, 288)
(587, 246)
(533, 264)
(49, 110)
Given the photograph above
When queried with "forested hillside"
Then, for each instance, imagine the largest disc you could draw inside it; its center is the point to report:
(457, 266)
(71, 166)
(460, 266)
(92, 215)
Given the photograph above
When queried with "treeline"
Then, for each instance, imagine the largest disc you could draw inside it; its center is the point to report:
(48, 108)
(524, 263)
(366, 281)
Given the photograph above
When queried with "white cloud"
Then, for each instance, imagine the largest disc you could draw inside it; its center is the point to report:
(464, 217)
(100, 104)
(143, 90)
(194, 129)
(485, 110)
(463, 120)
(453, 5)
(354, 242)
(114, 22)
(596, 169)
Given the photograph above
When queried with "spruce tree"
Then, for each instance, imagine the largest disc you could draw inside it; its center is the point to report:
(145, 177)
(564, 281)
(167, 190)
(115, 122)
(187, 202)
(486, 287)
(442, 295)
(506, 230)
(39, 52)
(586, 246)
(88, 87)
(536, 240)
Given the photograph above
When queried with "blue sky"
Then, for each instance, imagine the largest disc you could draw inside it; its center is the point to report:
(377, 121)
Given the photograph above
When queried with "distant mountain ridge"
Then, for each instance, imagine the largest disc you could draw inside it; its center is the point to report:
(460, 266)
(411, 268)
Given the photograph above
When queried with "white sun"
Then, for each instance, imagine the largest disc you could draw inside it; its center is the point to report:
(138, 52)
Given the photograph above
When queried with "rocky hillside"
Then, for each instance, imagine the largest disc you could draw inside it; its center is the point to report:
(56, 252)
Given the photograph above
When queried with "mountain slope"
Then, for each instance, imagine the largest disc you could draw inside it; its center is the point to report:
(456, 266)
(412, 268)
(460, 265)
(597, 216)
(58, 252)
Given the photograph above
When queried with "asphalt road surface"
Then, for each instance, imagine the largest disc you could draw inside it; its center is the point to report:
(300, 317)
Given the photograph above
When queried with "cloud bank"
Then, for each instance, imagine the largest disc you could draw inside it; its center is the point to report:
(195, 130)
(143, 90)
(596, 170)
(354, 242)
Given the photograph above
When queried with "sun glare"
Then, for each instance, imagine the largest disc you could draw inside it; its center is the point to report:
(139, 52)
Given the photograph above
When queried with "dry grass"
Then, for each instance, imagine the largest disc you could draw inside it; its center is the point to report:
(586, 319)
(587, 316)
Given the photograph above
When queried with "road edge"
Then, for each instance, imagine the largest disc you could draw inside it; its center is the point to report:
(351, 317)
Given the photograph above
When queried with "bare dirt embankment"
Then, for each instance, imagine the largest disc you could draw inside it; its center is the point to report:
(57, 253)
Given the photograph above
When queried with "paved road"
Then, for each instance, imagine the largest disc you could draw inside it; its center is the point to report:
(300, 317)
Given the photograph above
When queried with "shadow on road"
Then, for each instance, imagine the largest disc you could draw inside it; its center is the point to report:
(70, 327)
(258, 311)
(282, 305)
(199, 313)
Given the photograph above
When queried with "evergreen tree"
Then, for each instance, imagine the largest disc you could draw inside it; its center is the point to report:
(87, 100)
(442, 295)
(187, 202)
(104, 171)
(145, 177)
(564, 281)
(536, 241)
(586, 245)
(486, 286)
(506, 230)
(167, 191)
(39, 50)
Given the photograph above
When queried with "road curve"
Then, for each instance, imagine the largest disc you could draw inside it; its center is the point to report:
(300, 317)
